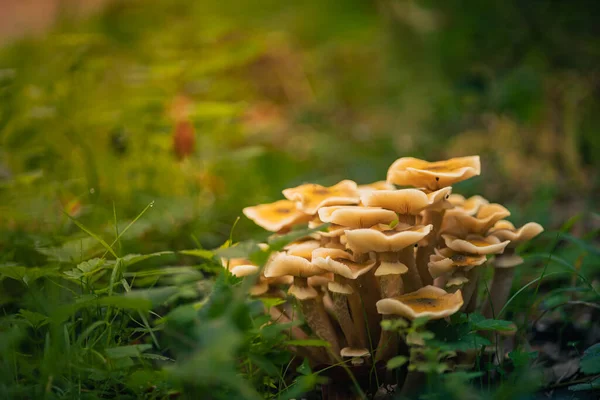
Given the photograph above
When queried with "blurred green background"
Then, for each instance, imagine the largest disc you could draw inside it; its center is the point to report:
(202, 108)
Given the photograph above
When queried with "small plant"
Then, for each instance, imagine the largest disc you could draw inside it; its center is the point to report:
(380, 256)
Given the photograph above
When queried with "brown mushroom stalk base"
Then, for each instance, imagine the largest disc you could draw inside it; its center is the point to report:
(317, 318)
(470, 287)
(367, 287)
(499, 291)
(412, 279)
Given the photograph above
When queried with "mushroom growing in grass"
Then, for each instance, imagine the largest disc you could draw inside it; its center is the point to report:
(310, 301)
(445, 264)
(473, 245)
(409, 171)
(310, 197)
(346, 293)
(468, 206)
(504, 264)
(279, 216)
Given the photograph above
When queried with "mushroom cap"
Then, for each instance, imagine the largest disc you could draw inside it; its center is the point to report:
(457, 280)
(458, 223)
(302, 249)
(341, 288)
(325, 252)
(239, 267)
(310, 196)
(303, 292)
(446, 261)
(320, 280)
(475, 244)
(285, 264)
(346, 268)
(429, 301)
(276, 216)
(391, 268)
(409, 171)
(402, 201)
(261, 287)
(370, 187)
(356, 217)
(366, 240)
(354, 352)
(527, 232)
(331, 231)
(468, 206)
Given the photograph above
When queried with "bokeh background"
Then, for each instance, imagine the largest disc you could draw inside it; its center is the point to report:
(201, 108)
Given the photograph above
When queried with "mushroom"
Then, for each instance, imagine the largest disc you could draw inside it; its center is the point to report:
(356, 354)
(504, 264)
(474, 244)
(310, 197)
(312, 306)
(395, 244)
(460, 223)
(276, 217)
(379, 185)
(409, 171)
(356, 217)
(409, 203)
(429, 301)
(344, 290)
(468, 206)
(445, 263)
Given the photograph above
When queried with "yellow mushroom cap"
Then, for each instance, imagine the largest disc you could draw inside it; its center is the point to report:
(429, 301)
(302, 249)
(474, 244)
(276, 216)
(261, 287)
(457, 280)
(285, 264)
(356, 217)
(243, 270)
(409, 171)
(346, 268)
(331, 231)
(446, 261)
(367, 240)
(303, 292)
(527, 232)
(310, 197)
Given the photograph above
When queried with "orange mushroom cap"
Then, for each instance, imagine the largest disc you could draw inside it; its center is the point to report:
(276, 216)
(504, 230)
(310, 197)
(409, 171)
(447, 261)
(429, 301)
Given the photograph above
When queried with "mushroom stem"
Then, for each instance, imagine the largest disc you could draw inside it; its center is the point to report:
(472, 306)
(391, 285)
(470, 288)
(317, 318)
(499, 291)
(388, 342)
(368, 293)
(315, 354)
(342, 312)
(412, 279)
(423, 253)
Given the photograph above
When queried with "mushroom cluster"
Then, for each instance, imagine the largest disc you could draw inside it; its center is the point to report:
(386, 253)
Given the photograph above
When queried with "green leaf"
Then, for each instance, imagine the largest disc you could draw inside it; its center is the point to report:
(35, 319)
(463, 343)
(590, 362)
(396, 362)
(264, 364)
(479, 323)
(522, 358)
(126, 351)
(26, 275)
(206, 254)
(278, 242)
(131, 259)
(308, 342)
(238, 250)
